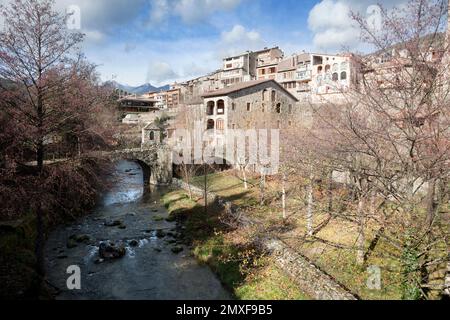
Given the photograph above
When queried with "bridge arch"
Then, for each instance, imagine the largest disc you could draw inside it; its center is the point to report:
(156, 163)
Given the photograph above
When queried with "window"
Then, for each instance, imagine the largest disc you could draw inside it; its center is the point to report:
(335, 67)
(290, 123)
(290, 109)
(233, 126)
(273, 70)
(152, 136)
(263, 108)
(264, 95)
(233, 106)
(319, 69)
(327, 68)
(210, 108)
(344, 66)
(278, 108)
(344, 75)
(249, 106)
(229, 66)
(335, 76)
(274, 95)
(210, 124)
(220, 125)
(220, 107)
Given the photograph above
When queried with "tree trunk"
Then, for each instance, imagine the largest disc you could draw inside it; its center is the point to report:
(39, 245)
(431, 204)
(310, 208)
(262, 187)
(360, 243)
(205, 189)
(244, 175)
(40, 150)
(186, 174)
(330, 192)
(284, 196)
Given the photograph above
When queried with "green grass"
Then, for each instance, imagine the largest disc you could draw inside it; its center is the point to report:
(340, 264)
(270, 284)
(246, 274)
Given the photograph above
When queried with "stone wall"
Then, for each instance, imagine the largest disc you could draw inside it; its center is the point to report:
(198, 192)
(311, 280)
(291, 111)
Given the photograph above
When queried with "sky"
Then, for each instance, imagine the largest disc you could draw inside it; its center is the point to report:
(162, 41)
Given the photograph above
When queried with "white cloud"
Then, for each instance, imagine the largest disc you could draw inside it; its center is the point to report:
(332, 25)
(239, 39)
(160, 72)
(94, 36)
(329, 14)
(159, 11)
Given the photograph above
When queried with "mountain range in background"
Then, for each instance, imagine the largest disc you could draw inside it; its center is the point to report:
(145, 88)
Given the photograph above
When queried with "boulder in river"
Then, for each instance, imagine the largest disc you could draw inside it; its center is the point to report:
(133, 243)
(113, 223)
(80, 238)
(160, 233)
(110, 250)
(177, 250)
(71, 244)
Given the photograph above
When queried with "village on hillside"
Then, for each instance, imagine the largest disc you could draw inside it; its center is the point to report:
(311, 176)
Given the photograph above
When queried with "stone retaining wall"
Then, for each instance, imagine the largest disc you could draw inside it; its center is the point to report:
(314, 282)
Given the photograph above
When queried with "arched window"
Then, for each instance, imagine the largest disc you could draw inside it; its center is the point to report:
(344, 75)
(278, 108)
(335, 76)
(335, 67)
(319, 69)
(210, 125)
(344, 66)
(264, 95)
(210, 108)
(274, 95)
(152, 136)
(220, 107)
(327, 68)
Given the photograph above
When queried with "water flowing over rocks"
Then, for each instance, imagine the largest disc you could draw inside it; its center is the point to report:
(122, 251)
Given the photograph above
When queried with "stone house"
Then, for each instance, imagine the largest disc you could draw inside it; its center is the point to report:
(260, 104)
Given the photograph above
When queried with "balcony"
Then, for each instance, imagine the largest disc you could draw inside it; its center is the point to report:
(303, 75)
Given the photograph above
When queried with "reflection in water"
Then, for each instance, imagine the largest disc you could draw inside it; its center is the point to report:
(128, 184)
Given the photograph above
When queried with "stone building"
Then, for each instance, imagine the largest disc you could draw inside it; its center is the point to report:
(263, 104)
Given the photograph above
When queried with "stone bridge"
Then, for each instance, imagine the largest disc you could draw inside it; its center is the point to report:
(156, 162)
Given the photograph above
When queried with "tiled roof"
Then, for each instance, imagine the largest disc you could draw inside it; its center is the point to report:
(241, 86)
(234, 88)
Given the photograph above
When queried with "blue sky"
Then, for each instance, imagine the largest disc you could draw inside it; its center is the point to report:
(162, 41)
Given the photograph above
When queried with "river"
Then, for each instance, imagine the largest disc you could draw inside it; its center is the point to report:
(150, 270)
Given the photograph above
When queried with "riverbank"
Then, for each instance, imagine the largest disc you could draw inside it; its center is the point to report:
(330, 249)
(18, 277)
(153, 260)
(246, 272)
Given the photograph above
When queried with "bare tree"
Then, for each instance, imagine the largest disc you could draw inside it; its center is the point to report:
(49, 91)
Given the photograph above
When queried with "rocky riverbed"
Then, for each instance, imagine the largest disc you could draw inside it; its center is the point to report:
(128, 249)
